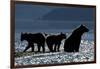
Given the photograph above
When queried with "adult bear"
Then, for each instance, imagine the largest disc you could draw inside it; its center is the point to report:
(54, 41)
(37, 38)
(73, 42)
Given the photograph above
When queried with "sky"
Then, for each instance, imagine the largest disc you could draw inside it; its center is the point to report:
(41, 18)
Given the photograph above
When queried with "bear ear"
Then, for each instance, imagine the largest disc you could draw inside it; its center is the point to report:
(81, 24)
(61, 33)
(21, 32)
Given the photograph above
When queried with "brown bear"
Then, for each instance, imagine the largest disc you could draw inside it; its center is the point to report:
(73, 42)
(37, 38)
(54, 41)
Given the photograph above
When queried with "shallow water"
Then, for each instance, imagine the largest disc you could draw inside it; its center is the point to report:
(86, 53)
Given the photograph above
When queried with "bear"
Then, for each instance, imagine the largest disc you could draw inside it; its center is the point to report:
(37, 38)
(72, 43)
(54, 41)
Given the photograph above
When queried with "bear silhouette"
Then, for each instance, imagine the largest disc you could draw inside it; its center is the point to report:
(54, 41)
(37, 38)
(73, 42)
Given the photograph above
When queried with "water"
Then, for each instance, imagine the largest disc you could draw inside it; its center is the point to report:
(86, 53)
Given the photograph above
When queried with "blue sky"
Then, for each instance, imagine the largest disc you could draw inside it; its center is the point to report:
(30, 17)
